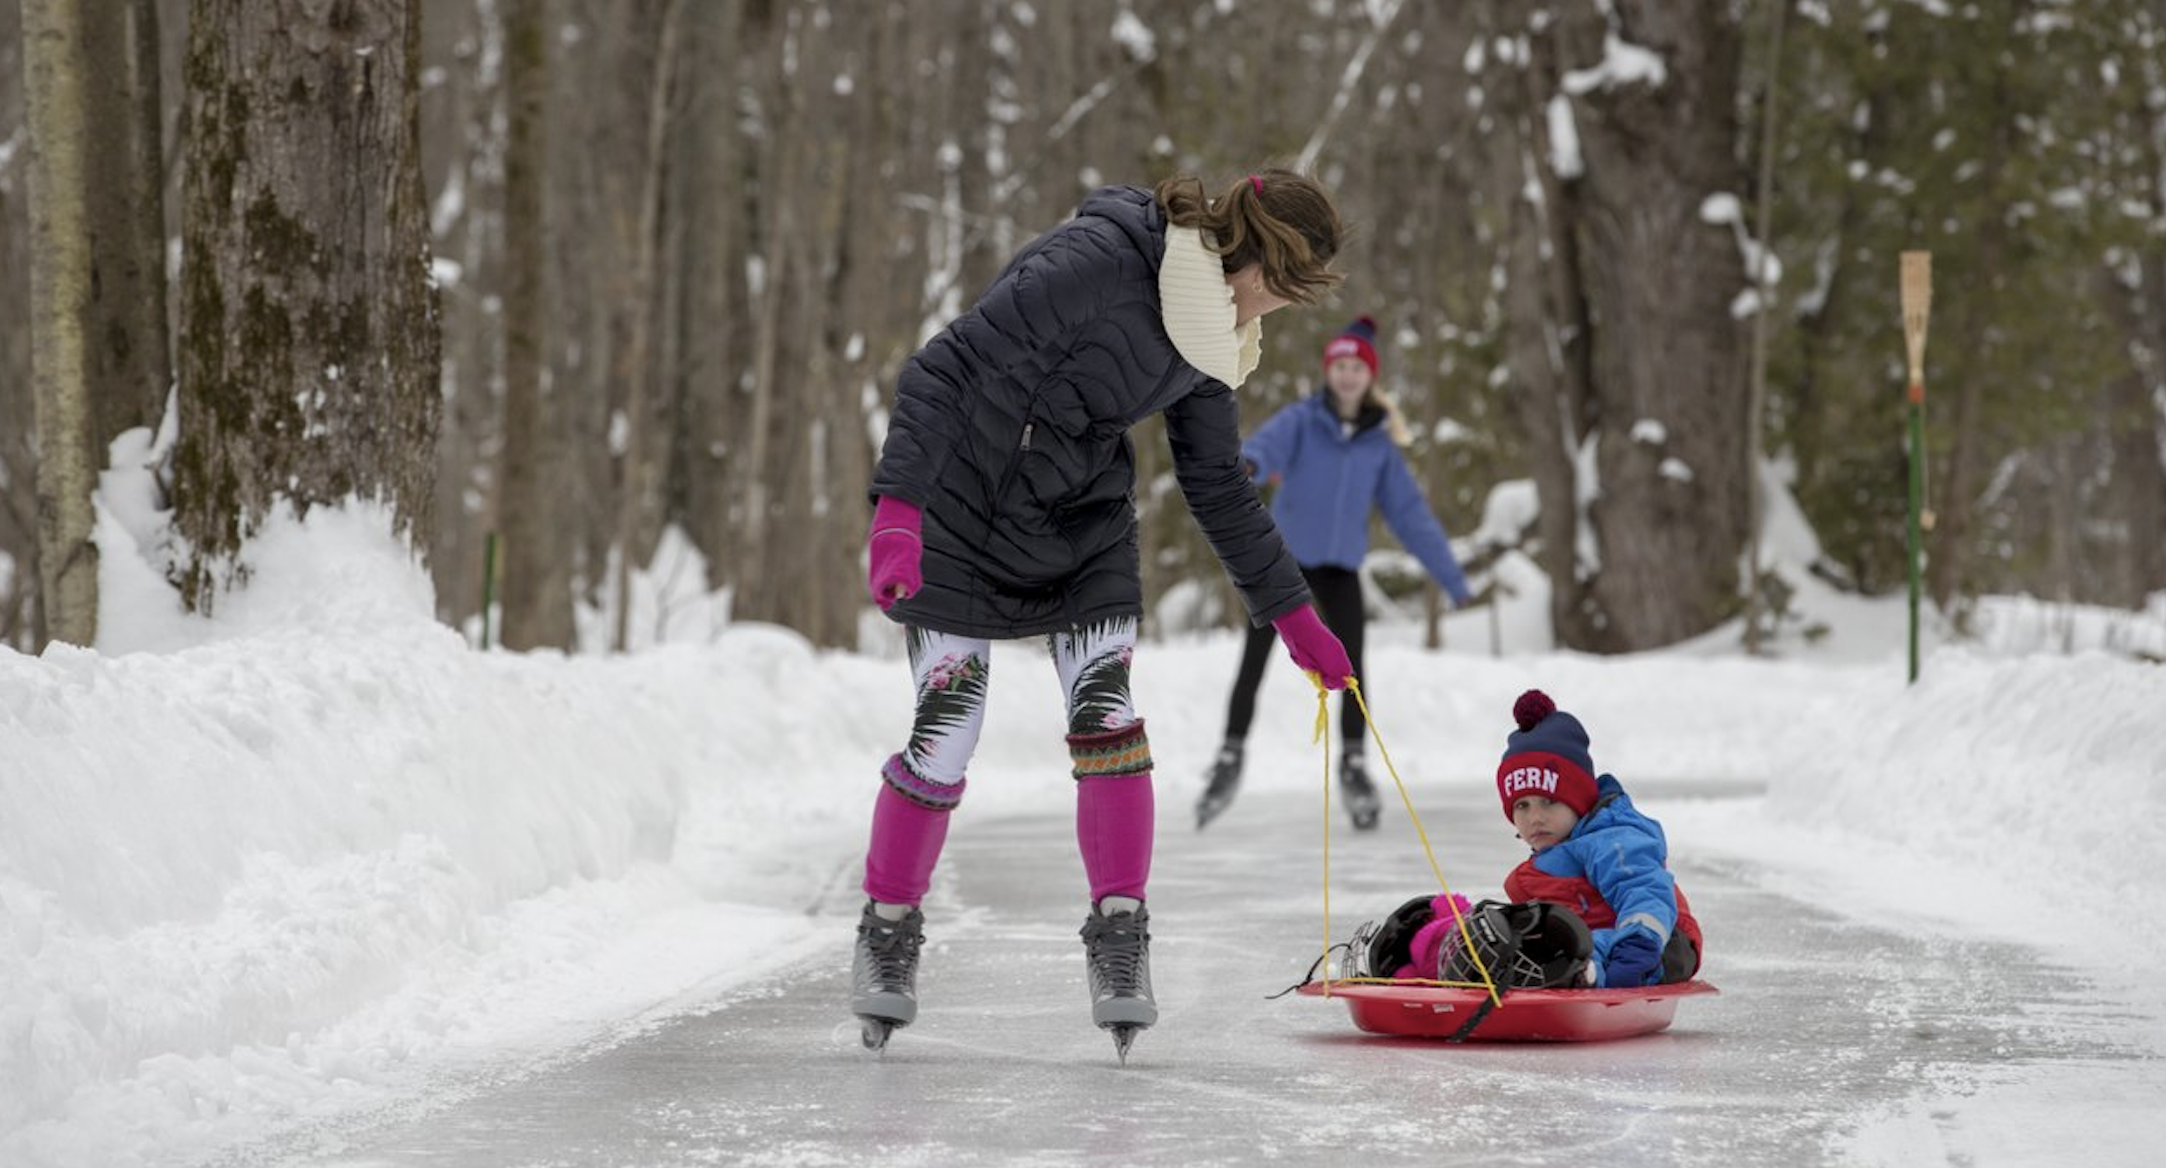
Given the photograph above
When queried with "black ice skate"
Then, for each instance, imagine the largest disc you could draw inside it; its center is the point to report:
(1117, 955)
(1362, 805)
(884, 974)
(1222, 782)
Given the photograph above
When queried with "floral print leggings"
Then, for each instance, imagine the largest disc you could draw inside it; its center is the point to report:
(952, 672)
(1106, 742)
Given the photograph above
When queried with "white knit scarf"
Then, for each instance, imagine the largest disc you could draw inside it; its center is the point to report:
(1197, 305)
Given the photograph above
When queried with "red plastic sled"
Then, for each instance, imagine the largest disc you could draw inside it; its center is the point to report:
(1425, 1011)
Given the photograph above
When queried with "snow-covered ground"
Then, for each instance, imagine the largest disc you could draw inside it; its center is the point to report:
(306, 857)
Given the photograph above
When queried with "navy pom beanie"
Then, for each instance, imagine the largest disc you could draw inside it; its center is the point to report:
(1546, 756)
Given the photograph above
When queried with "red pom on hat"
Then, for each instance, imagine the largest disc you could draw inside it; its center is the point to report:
(1531, 708)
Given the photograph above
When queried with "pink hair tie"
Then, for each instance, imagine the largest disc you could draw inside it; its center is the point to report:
(1257, 183)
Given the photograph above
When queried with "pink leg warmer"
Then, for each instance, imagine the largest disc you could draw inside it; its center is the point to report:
(906, 841)
(1114, 823)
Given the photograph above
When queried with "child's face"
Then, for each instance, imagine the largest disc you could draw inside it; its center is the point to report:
(1349, 378)
(1542, 821)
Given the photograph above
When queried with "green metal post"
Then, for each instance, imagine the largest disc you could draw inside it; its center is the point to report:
(1917, 305)
(1917, 507)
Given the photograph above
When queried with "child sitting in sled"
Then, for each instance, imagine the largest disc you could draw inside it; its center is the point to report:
(1593, 906)
(1593, 852)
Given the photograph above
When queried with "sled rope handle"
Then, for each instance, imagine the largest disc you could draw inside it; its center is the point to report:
(1323, 728)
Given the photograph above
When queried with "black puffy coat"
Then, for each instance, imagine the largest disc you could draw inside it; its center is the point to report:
(1010, 430)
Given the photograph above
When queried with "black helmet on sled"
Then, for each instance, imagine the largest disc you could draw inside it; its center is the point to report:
(1530, 945)
(1381, 947)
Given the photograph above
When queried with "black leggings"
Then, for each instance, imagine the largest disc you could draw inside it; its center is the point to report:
(1338, 601)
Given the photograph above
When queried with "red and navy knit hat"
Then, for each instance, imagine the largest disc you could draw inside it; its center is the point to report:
(1547, 756)
(1355, 340)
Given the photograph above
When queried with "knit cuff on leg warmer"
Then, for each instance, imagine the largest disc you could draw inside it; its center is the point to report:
(1125, 751)
(918, 789)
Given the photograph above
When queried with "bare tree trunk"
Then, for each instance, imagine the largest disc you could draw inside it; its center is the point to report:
(2147, 492)
(793, 568)
(827, 588)
(2132, 419)
(1670, 519)
(463, 139)
(1664, 482)
(756, 581)
(132, 366)
(1953, 494)
(312, 356)
(636, 478)
(595, 93)
(713, 257)
(60, 292)
(536, 591)
(21, 626)
(97, 270)
(1546, 341)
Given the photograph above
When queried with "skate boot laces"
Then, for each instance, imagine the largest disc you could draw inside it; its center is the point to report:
(890, 949)
(1119, 951)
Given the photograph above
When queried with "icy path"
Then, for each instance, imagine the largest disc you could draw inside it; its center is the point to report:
(1829, 1045)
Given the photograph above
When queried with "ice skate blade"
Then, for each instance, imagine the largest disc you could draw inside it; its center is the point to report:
(1209, 810)
(1122, 1035)
(875, 1033)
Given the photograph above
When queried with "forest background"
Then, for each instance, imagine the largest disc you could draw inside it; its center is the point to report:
(604, 278)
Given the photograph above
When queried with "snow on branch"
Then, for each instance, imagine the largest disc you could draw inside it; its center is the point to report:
(1564, 153)
(1722, 209)
(1622, 64)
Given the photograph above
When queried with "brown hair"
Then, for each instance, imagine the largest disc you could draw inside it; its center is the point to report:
(1281, 219)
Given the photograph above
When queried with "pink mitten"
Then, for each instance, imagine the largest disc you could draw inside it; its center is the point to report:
(1427, 949)
(1313, 647)
(896, 550)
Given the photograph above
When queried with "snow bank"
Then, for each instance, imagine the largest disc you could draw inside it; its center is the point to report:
(213, 857)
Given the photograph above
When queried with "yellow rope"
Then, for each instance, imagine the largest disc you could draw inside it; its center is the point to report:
(1323, 725)
(1430, 982)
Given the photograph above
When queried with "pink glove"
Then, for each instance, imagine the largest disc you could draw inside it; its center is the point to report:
(1426, 951)
(1313, 647)
(896, 549)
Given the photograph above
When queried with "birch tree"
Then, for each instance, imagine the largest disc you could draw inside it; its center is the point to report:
(97, 272)
(19, 627)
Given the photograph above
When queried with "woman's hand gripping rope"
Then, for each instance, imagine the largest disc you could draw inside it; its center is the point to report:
(1314, 648)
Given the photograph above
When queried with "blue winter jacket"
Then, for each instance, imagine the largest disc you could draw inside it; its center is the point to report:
(1330, 481)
